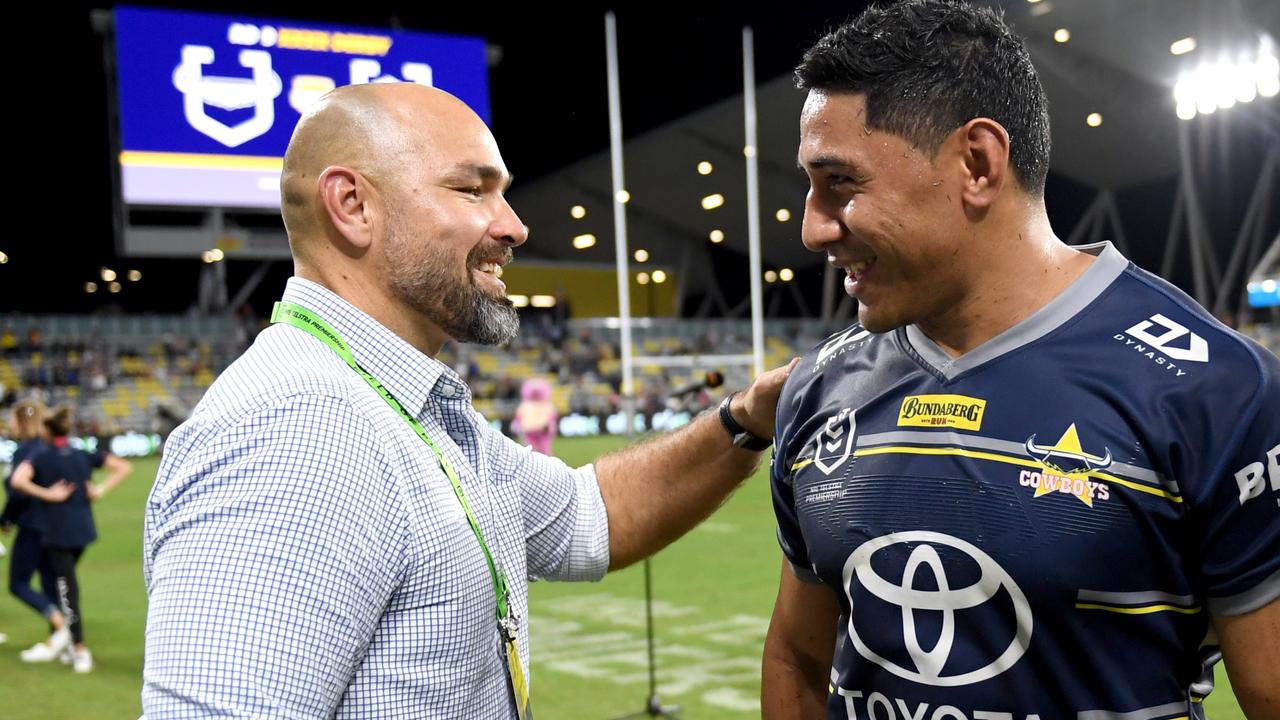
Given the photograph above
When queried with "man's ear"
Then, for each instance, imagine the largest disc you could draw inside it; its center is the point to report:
(984, 151)
(348, 202)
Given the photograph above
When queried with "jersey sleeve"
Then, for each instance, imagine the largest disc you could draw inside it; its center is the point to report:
(786, 449)
(1239, 509)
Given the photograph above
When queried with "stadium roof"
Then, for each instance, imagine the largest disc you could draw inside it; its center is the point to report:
(681, 79)
(1117, 62)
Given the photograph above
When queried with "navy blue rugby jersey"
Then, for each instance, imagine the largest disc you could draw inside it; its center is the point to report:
(1042, 527)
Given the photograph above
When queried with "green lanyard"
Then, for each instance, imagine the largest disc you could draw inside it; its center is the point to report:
(304, 319)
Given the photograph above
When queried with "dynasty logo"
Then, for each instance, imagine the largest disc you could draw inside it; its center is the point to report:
(853, 337)
(1066, 468)
(958, 411)
(1163, 349)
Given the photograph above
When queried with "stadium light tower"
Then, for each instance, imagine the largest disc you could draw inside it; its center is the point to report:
(1222, 84)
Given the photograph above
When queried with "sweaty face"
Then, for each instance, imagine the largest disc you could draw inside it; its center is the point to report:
(448, 233)
(886, 213)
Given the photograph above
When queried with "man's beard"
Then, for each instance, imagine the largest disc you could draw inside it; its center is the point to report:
(462, 310)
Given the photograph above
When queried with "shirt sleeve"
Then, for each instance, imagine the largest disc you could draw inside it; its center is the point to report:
(272, 545)
(1240, 509)
(15, 502)
(790, 538)
(566, 526)
(785, 453)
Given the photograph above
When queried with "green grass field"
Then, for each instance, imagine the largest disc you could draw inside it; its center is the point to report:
(714, 591)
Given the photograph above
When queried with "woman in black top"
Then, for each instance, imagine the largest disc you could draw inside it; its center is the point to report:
(27, 558)
(60, 477)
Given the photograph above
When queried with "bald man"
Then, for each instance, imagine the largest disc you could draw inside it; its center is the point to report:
(336, 532)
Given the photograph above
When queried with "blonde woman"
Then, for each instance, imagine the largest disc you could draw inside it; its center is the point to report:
(26, 426)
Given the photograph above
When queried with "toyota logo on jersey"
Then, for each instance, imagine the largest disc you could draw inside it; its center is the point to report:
(934, 609)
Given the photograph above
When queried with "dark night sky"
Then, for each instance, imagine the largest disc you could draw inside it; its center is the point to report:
(548, 94)
(549, 108)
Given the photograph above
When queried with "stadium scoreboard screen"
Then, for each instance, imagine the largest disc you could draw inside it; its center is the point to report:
(207, 103)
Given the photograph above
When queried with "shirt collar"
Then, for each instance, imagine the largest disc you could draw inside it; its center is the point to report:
(1094, 281)
(406, 372)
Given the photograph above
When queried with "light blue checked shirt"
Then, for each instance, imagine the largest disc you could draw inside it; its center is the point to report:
(305, 555)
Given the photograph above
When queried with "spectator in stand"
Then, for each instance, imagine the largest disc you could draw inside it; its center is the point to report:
(8, 342)
(580, 397)
(35, 340)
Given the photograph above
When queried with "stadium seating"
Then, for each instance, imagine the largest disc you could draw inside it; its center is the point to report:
(144, 373)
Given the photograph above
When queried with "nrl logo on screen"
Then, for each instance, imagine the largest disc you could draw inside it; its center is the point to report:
(228, 93)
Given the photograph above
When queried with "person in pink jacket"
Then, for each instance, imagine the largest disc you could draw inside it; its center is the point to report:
(535, 418)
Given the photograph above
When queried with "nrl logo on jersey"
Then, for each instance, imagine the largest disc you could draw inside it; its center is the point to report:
(855, 336)
(1066, 468)
(833, 444)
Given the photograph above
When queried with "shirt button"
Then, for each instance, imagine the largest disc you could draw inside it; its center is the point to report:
(448, 391)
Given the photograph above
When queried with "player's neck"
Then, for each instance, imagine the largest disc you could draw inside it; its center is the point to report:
(1025, 267)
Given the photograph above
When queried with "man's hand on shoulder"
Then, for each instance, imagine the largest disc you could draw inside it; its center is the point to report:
(756, 407)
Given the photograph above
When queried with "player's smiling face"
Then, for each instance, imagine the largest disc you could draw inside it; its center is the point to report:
(880, 210)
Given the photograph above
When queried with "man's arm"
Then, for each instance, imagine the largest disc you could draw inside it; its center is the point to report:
(271, 551)
(1251, 649)
(658, 490)
(1238, 502)
(798, 649)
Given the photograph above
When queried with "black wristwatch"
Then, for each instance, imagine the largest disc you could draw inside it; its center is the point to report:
(742, 437)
